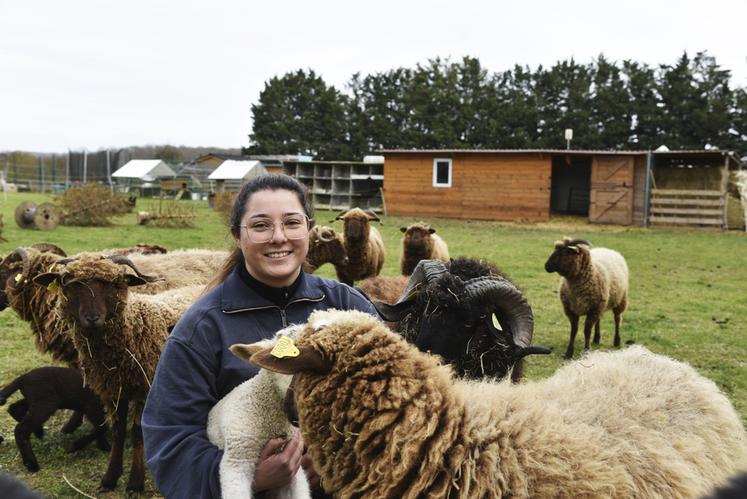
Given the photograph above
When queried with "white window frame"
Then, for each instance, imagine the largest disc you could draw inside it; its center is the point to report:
(435, 172)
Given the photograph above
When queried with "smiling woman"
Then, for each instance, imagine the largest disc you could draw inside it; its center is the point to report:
(260, 290)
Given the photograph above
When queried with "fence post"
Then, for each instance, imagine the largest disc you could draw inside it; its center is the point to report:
(41, 173)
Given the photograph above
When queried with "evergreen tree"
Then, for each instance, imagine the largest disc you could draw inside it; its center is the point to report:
(299, 114)
(610, 121)
(646, 116)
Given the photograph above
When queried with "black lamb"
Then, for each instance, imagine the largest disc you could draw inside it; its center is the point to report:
(469, 313)
(45, 390)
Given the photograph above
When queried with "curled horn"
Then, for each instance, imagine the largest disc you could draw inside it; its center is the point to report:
(330, 237)
(123, 260)
(486, 289)
(49, 248)
(22, 255)
(425, 271)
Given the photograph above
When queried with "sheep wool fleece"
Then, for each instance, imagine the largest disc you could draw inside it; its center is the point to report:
(388, 421)
(197, 369)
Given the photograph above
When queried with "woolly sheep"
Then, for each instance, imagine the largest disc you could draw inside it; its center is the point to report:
(119, 337)
(421, 243)
(243, 421)
(45, 390)
(385, 420)
(469, 313)
(383, 289)
(363, 245)
(325, 246)
(179, 268)
(35, 304)
(592, 281)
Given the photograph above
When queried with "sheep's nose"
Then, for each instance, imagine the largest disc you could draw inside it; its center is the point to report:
(92, 319)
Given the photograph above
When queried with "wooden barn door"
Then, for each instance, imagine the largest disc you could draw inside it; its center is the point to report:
(612, 190)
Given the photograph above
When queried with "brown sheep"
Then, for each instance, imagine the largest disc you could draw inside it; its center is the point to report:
(363, 244)
(421, 243)
(119, 337)
(325, 246)
(383, 289)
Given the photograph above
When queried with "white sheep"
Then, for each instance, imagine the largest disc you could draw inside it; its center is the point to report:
(179, 268)
(592, 281)
(243, 421)
(385, 420)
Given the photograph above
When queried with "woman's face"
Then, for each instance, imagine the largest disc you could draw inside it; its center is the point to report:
(278, 261)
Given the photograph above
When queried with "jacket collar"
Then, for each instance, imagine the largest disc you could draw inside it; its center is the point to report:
(237, 296)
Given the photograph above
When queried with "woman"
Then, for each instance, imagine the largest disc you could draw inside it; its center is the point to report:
(260, 290)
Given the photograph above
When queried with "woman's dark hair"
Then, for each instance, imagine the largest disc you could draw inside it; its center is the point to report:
(271, 182)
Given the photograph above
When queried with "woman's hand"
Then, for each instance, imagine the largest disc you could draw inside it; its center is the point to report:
(278, 463)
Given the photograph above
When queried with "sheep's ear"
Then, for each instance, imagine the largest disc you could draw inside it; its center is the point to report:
(403, 229)
(372, 216)
(431, 230)
(573, 248)
(46, 279)
(307, 360)
(339, 216)
(245, 351)
(133, 280)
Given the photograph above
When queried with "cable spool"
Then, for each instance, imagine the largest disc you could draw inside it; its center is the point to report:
(25, 214)
(47, 216)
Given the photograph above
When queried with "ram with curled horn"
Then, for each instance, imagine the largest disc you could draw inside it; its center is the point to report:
(468, 313)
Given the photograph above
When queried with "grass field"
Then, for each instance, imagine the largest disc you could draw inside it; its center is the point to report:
(688, 300)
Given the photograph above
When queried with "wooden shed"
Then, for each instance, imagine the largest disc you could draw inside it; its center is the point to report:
(612, 187)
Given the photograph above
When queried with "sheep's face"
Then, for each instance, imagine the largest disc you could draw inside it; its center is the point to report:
(566, 259)
(92, 302)
(417, 236)
(355, 228)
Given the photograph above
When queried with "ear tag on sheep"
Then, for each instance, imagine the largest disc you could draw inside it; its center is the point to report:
(18, 277)
(496, 324)
(53, 286)
(284, 348)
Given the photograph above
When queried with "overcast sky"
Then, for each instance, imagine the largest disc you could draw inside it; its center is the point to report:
(101, 73)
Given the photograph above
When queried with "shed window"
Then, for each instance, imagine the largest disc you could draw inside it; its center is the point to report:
(441, 172)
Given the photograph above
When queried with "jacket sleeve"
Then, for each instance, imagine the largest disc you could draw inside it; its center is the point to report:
(181, 459)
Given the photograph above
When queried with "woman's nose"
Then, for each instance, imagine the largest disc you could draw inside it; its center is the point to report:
(278, 234)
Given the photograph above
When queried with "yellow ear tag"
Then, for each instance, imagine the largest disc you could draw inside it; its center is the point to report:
(496, 324)
(18, 278)
(284, 348)
(53, 286)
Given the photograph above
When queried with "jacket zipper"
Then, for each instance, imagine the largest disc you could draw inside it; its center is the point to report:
(282, 310)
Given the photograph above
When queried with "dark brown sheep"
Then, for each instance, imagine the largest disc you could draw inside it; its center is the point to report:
(45, 390)
(119, 337)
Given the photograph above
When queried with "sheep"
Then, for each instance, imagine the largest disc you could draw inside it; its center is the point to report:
(592, 281)
(469, 313)
(34, 304)
(179, 268)
(384, 289)
(363, 245)
(385, 420)
(325, 246)
(45, 390)
(243, 421)
(421, 243)
(139, 249)
(119, 337)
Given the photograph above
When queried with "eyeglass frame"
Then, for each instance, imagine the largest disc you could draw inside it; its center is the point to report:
(282, 228)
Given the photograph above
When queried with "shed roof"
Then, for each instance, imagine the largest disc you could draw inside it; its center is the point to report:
(232, 169)
(146, 170)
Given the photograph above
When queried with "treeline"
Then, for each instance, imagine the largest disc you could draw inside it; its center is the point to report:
(461, 105)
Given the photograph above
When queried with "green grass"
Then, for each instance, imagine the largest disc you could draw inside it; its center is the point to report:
(688, 300)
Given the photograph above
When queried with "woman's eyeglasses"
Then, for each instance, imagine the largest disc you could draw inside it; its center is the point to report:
(261, 230)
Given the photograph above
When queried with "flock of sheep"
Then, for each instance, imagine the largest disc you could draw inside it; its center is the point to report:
(401, 424)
